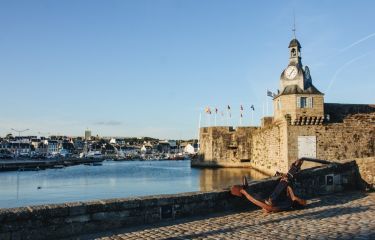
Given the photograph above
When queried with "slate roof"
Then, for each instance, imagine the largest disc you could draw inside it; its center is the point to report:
(294, 43)
(295, 89)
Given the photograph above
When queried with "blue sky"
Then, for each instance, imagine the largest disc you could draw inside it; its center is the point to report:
(147, 68)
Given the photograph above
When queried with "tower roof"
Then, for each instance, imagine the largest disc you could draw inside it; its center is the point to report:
(295, 89)
(294, 43)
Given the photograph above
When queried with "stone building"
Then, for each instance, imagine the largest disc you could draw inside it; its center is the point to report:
(302, 125)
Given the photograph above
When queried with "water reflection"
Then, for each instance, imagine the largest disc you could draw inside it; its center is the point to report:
(112, 180)
(225, 177)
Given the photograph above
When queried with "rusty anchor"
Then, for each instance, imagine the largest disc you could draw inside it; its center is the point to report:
(282, 198)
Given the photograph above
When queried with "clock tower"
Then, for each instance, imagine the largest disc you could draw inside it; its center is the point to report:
(298, 101)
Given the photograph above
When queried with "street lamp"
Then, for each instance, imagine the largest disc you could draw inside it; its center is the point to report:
(19, 135)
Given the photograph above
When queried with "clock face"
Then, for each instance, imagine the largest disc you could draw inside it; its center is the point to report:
(291, 72)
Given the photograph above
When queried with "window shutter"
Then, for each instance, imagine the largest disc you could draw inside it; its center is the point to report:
(308, 102)
(298, 102)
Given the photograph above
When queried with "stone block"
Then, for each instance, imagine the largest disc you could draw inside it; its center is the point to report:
(95, 206)
(114, 204)
(57, 210)
(131, 203)
(79, 218)
(134, 220)
(110, 216)
(165, 201)
(150, 202)
(76, 208)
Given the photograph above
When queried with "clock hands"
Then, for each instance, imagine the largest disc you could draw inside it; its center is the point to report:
(291, 73)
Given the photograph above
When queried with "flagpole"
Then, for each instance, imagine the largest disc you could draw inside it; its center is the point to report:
(207, 120)
(230, 118)
(252, 118)
(263, 108)
(228, 113)
(199, 128)
(241, 114)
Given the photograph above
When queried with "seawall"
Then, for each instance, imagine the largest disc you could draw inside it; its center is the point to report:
(31, 165)
(55, 221)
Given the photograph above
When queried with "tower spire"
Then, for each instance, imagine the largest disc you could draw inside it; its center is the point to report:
(294, 24)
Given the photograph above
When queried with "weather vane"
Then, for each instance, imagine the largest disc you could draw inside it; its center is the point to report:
(294, 24)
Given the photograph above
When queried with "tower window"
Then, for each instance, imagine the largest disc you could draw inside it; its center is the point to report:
(304, 102)
(293, 52)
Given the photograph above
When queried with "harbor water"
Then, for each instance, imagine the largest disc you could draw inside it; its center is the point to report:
(113, 180)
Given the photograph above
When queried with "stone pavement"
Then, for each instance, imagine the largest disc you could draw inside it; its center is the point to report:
(349, 215)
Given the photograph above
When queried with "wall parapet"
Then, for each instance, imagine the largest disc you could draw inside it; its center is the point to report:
(71, 219)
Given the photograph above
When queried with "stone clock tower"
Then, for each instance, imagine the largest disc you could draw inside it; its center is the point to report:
(298, 101)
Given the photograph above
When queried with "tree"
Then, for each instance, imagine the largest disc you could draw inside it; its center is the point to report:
(8, 136)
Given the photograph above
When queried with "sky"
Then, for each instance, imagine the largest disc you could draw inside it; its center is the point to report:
(149, 68)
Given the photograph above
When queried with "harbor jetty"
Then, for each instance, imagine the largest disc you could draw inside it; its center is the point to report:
(35, 165)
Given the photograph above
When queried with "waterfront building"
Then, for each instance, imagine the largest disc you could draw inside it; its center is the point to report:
(35, 142)
(189, 149)
(129, 150)
(52, 147)
(302, 125)
(67, 148)
(146, 148)
(164, 146)
(79, 144)
(87, 135)
(17, 148)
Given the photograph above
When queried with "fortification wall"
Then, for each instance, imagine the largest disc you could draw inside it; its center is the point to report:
(269, 149)
(224, 147)
(366, 168)
(354, 138)
(275, 146)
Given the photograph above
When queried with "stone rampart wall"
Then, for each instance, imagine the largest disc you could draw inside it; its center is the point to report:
(224, 147)
(338, 141)
(366, 167)
(57, 221)
(274, 147)
(269, 149)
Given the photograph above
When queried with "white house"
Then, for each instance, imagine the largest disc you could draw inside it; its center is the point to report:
(189, 149)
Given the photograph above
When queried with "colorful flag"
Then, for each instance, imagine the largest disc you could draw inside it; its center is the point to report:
(252, 107)
(241, 108)
(216, 110)
(208, 110)
(241, 115)
(228, 107)
(269, 93)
